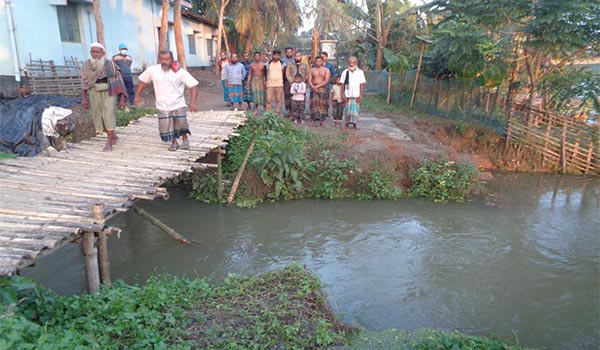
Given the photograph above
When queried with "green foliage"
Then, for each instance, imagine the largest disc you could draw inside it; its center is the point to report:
(425, 339)
(126, 115)
(283, 309)
(205, 187)
(379, 184)
(378, 104)
(333, 174)
(7, 155)
(443, 180)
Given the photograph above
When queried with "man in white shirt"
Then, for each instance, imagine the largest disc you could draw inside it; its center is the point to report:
(170, 82)
(353, 81)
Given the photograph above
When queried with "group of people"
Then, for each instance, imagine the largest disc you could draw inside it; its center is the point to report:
(106, 80)
(287, 80)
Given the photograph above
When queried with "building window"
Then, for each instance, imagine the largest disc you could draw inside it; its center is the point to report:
(209, 47)
(192, 44)
(68, 23)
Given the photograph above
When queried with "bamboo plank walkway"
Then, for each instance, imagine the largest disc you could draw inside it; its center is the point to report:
(45, 202)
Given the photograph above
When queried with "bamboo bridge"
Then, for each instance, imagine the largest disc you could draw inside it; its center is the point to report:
(47, 202)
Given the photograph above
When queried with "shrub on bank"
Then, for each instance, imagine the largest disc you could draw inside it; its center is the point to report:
(443, 180)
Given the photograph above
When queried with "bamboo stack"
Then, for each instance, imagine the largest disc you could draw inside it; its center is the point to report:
(46, 202)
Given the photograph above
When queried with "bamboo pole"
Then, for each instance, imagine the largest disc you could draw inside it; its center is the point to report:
(412, 98)
(238, 176)
(389, 87)
(166, 229)
(563, 150)
(103, 265)
(91, 262)
(219, 175)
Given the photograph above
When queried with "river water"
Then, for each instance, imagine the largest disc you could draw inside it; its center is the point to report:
(525, 264)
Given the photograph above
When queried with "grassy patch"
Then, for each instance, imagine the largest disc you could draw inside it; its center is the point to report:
(7, 155)
(282, 309)
(127, 114)
(425, 339)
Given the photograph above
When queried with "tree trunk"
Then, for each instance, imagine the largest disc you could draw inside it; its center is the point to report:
(178, 34)
(220, 28)
(164, 26)
(99, 22)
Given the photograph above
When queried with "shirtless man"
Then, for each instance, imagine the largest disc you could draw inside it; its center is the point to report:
(317, 81)
(256, 80)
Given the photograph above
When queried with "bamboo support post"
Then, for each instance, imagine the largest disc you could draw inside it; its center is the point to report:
(563, 150)
(238, 176)
(91, 262)
(103, 265)
(219, 176)
(166, 229)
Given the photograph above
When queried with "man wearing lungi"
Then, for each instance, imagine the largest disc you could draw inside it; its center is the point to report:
(353, 81)
(170, 82)
(234, 76)
(275, 82)
(317, 81)
(247, 91)
(101, 80)
(256, 81)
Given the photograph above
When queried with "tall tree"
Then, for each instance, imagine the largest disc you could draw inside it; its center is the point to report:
(99, 23)
(178, 34)
(384, 16)
(220, 5)
(164, 26)
(539, 36)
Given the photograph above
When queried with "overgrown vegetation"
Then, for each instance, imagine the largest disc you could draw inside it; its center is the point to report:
(284, 309)
(281, 309)
(443, 180)
(290, 162)
(126, 115)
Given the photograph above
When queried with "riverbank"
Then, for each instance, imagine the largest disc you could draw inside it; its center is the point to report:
(281, 309)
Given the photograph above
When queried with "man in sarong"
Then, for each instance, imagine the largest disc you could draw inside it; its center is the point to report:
(247, 91)
(234, 76)
(317, 81)
(102, 81)
(223, 62)
(287, 59)
(331, 68)
(275, 82)
(170, 82)
(353, 80)
(256, 81)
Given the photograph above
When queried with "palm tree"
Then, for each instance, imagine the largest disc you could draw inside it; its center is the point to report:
(164, 26)
(178, 34)
(99, 22)
(257, 19)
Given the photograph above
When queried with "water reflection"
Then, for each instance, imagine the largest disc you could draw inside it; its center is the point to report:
(528, 264)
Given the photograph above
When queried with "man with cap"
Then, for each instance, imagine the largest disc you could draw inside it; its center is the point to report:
(123, 61)
(101, 80)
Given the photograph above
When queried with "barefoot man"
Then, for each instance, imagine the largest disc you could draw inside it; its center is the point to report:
(101, 80)
(256, 80)
(170, 82)
(317, 81)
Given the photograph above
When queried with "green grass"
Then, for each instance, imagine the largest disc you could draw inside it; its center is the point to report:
(7, 155)
(127, 114)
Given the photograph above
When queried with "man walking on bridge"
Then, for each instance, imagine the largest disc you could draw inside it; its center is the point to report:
(101, 80)
(170, 82)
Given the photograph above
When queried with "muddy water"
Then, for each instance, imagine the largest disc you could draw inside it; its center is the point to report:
(525, 263)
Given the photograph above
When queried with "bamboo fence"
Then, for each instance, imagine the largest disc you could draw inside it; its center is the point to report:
(566, 142)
